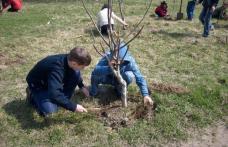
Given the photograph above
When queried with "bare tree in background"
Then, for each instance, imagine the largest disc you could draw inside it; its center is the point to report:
(113, 43)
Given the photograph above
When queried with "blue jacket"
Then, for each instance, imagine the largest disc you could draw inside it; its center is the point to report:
(209, 3)
(54, 75)
(102, 69)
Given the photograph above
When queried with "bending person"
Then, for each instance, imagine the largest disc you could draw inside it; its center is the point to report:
(16, 5)
(102, 74)
(102, 20)
(52, 81)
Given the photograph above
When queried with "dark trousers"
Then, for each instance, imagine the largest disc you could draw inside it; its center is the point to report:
(190, 10)
(105, 28)
(12, 10)
(205, 18)
(38, 98)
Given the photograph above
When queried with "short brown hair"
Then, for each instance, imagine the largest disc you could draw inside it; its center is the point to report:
(79, 55)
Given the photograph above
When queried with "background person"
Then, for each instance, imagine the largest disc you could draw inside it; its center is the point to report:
(205, 15)
(16, 5)
(162, 10)
(102, 20)
(221, 12)
(190, 9)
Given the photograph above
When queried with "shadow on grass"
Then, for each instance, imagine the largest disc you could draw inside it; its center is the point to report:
(107, 95)
(176, 34)
(220, 26)
(24, 114)
(92, 32)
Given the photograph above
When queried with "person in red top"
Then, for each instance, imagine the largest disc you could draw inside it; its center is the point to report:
(161, 10)
(15, 5)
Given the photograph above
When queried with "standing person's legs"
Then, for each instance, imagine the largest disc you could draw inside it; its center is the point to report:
(192, 12)
(188, 11)
(190, 15)
(202, 15)
(207, 23)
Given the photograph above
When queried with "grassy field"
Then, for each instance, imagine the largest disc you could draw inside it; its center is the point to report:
(167, 52)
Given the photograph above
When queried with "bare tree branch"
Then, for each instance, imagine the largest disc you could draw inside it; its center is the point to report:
(98, 51)
(124, 55)
(141, 19)
(114, 45)
(94, 23)
(102, 47)
(110, 24)
(121, 10)
(134, 36)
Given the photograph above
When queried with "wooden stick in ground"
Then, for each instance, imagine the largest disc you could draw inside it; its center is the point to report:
(95, 109)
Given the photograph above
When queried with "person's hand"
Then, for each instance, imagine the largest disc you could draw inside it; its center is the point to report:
(212, 8)
(85, 91)
(80, 108)
(148, 101)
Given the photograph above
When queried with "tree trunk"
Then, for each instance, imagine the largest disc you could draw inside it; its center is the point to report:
(123, 87)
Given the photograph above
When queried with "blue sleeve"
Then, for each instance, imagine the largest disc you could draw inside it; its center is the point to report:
(140, 81)
(55, 90)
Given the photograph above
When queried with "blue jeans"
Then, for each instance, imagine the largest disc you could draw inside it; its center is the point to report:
(205, 18)
(128, 76)
(190, 15)
(42, 103)
(190, 10)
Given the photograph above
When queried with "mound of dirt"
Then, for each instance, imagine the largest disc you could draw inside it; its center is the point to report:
(115, 116)
(169, 88)
(109, 110)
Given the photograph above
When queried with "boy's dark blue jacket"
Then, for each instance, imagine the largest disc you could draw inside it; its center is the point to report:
(54, 75)
(209, 3)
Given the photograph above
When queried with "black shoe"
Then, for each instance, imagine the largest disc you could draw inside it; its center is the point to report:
(28, 96)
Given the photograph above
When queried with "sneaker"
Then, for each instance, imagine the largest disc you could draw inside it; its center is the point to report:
(212, 28)
(204, 35)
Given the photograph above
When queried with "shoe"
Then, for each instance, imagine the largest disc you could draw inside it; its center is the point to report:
(212, 28)
(204, 35)
(28, 96)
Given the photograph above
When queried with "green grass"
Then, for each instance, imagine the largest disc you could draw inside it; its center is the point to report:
(170, 52)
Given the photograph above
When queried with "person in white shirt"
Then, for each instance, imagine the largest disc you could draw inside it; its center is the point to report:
(102, 21)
